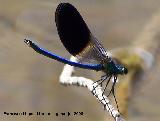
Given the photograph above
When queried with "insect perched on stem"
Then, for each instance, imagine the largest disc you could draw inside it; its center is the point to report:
(80, 42)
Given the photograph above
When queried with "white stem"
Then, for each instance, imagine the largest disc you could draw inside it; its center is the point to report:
(67, 79)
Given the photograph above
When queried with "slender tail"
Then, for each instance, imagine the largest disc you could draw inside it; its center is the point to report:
(51, 55)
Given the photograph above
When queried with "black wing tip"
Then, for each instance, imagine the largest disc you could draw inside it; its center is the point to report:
(65, 7)
(64, 4)
(72, 29)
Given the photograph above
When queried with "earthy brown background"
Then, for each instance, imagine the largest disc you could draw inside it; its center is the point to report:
(30, 82)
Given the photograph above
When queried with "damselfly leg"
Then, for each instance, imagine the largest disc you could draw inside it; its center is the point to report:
(106, 84)
(113, 91)
(100, 81)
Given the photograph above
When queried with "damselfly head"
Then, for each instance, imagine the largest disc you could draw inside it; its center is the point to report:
(113, 68)
(121, 68)
(124, 70)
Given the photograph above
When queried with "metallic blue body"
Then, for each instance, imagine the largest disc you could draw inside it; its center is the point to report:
(44, 52)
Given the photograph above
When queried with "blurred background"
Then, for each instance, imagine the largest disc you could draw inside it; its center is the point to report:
(29, 82)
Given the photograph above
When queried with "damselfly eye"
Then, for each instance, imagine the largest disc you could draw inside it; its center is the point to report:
(125, 70)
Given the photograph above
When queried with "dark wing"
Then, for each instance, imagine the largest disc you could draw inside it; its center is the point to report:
(75, 35)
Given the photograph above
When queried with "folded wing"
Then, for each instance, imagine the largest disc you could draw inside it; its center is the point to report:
(76, 36)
